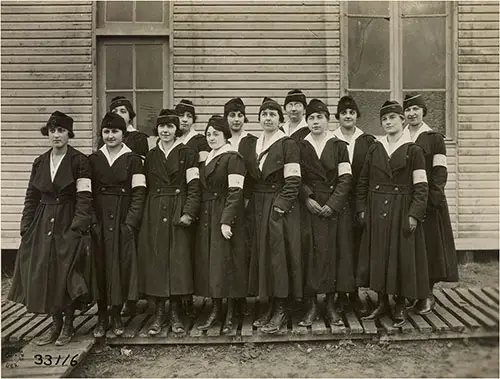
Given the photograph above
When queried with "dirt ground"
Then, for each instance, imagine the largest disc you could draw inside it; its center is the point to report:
(455, 358)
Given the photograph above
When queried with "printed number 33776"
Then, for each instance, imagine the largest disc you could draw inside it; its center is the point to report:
(57, 360)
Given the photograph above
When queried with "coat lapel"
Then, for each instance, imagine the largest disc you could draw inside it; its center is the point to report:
(42, 180)
(64, 175)
(381, 159)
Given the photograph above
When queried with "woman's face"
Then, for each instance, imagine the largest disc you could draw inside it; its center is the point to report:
(186, 121)
(392, 123)
(294, 110)
(414, 115)
(348, 118)
(269, 120)
(112, 137)
(58, 137)
(215, 138)
(122, 111)
(317, 122)
(166, 132)
(235, 120)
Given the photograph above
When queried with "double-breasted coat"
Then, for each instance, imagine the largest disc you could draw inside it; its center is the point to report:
(165, 246)
(273, 180)
(198, 142)
(221, 267)
(56, 214)
(441, 252)
(135, 140)
(300, 132)
(391, 188)
(119, 188)
(326, 178)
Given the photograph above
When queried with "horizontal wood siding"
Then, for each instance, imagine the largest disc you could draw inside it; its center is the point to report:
(46, 66)
(254, 49)
(478, 124)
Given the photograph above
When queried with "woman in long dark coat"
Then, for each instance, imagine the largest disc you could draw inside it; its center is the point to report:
(166, 235)
(220, 259)
(326, 183)
(272, 184)
(358, 144)
(391, 199)
(441, 252)
(57, 211)
(234, 113)
(119, 188)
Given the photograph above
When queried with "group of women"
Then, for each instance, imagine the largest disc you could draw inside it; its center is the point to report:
(227, 214)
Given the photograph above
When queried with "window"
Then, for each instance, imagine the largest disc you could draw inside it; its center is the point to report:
(133, 57)
(394, 48)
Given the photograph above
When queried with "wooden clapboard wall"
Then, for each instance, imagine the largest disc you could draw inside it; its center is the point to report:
(254, 49)
(478, 124)
(46, 65)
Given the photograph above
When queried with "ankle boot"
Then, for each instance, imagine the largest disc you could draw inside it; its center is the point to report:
(425, 306)
(341, 301)
(175, 315)
(130, 308)
(332, 315)
(265, 317)
(67, 329)
(228, 321)
(213, 318)
(279, 318)
(51, 335)
(399, 312)
(116, 320)
(382, 308)
(357, 303)
(312, 312)
(157, 323)
(102, 324)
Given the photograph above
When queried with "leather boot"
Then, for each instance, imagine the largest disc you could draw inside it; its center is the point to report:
(116, 321)
(265, 317)
(158, 317)
(412, 303)
(67, 329)
(425, 306)
(130, 308)
(399, 312)
(312, 312)
(279, 318)
(382, 308)
(51, 335)
(213, 318)
(332, 315)
(175, 315)
(341, 301)
(102, 324)
(228, 321)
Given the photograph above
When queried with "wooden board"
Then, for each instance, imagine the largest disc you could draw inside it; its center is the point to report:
(492, 293)
(465, 318)
(33, 323)
(488, 311)
(472, 311)
(419, 323)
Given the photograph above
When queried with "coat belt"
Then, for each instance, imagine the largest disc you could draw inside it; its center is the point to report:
(268, 187)
(321, 186)
(57, 199)
(113, 190)
(391, 188)
(169, 190)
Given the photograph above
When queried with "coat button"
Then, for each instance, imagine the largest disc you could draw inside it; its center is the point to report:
(215, 193)
(177, 191)
(164, 207)
(123, 189)
(111, 217)
(103, 189)
(49, 233)
(396, 189)
(206, 212)
(52, 219)
(331, 187)
(110, 228)
(164, 219)
(386, 202)
(57, 199)
(384, 214)
(377, 186)
(273, 186)
(158, 190)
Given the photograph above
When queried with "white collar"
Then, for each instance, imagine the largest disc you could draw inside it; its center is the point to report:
(235, 142)
(215, 153)
(130, 128)
(190, 135)
(167, 153)
(338, 133)
(54, 169)
(125, 149)
(423, 128)
(259, 147)
(318, 146)
(286, 126)
(405, 138)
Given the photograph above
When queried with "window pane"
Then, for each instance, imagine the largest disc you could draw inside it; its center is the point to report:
(424, 53)
(422, 7)
(368, 53)
(436, 110)
(119, 67)
(149, 66)
(119, 10)
(369, 104)
(368, 7)
(149, 105)
(149, 11)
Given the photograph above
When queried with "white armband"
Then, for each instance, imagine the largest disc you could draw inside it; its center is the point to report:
(235, 180)
(419, 176)
(439, 160)
(344, 168)
(138, 180)
(291, 169)
(83, 185)
(192, 173)
(202, 156)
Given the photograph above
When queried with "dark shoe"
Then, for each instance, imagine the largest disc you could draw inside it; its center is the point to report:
(341, 301)
(66, 334)
(102, 325)
(312, 312)
(382, 308)
(130, 308)
(156, 325)
(214, 316)
(399, 312)
(266, 316)
(175, 317)
(52, 334)
(425, 306)
(278, 320)
(228, 321)
(333, 317)
(116, 322)
(358, 304)
(412, 303)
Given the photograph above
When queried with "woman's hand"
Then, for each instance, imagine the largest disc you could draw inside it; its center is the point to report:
(313, 206)
(185, 220)
(226, 231)
(326, 211)
(413, 223)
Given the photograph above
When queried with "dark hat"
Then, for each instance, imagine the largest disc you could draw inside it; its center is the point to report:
(235, 105)
(296, 95)
(414, 99)
(58, 119)
(113, 121)
(219, 123)
(168, 116)
(121, 100)
(186, 106)
(317, 106)
(347, 102)
(391, 106)
(268, 103)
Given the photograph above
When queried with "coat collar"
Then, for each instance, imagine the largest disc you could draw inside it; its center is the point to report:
(213, 157)
(318, 146)
(236, 142)
(286, 127)
(176, 143)
(405, 138)
(125, 149)
(64, 175)
(423, 128)
(350, 143)
(188, 136)
(260, 147)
